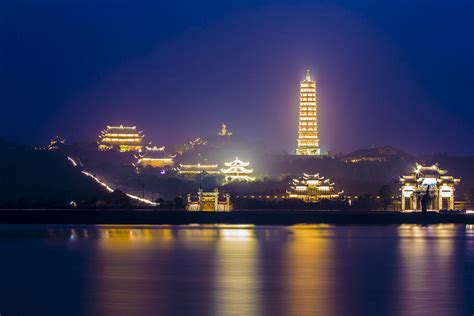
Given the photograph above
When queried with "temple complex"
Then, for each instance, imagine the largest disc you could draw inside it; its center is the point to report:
(209, 202)
(122, 138)
(155, 157)
(236, 171)
(195, 169)
(430, 183)
(308, 136)
(312, 188)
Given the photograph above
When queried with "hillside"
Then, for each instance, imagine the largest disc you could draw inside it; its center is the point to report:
(39, 178)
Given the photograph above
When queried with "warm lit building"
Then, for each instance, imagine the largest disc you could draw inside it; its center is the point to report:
(236, 171)
(195, 169)
(155, 157)
(308, 136)
(312, 188)
(209, 202)
(122, 138)
(428, 180)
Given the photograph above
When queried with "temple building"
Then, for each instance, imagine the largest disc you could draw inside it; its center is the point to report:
(195, 169)
(312, 188)
(428, 180)
(308, 136)
(209, 202)
(236, 171)
(122, 138)
(155, 157)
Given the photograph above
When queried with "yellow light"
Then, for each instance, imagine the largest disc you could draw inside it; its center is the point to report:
(237, 171)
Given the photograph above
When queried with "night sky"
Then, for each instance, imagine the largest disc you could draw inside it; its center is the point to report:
(397, 73)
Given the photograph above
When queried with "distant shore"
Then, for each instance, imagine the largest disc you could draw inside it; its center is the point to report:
(256, 217)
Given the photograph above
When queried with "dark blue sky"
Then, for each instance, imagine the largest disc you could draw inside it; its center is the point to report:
(395, 73)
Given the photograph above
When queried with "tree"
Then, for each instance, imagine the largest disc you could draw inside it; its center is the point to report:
(178, 202)
(385, 193)
(470, 195)
(365, 202)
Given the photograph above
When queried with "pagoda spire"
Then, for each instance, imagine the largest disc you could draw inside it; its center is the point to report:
(308, 75)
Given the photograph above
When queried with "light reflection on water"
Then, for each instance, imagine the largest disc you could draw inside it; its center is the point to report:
(238, 270)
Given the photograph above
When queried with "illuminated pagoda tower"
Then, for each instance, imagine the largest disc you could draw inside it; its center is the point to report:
(428, 180)
(312, 188)
(155, 157)
(122, 138)
(308, 137)
(236, 171)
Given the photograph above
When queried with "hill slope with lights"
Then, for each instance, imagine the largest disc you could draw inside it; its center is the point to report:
(42, 178)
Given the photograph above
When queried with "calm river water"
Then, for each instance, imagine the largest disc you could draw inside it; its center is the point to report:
(237, 270)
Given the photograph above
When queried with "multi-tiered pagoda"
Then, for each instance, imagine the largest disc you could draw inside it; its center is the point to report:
(308, 136)
(237, 171)
(122, 138)
(428, 183)
(312, 188)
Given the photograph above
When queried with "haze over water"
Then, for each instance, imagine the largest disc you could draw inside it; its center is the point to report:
(237, 270)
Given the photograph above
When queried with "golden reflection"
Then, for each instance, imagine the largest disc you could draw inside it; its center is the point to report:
(237, 279)
(236, 234)
(197, 234)
(126, 238)
(125, 266)
(309, 278)
(427, 266)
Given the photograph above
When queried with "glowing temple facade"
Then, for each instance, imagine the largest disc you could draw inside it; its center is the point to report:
(196, 169)
(429, 180)
(312, 188)
(236, 171)
(209, 202)
(122, 138)
(155, 157)
(308, 136)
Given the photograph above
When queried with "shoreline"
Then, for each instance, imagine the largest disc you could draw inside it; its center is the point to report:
(255, 217)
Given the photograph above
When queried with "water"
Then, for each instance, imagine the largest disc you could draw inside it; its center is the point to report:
(237, 270)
